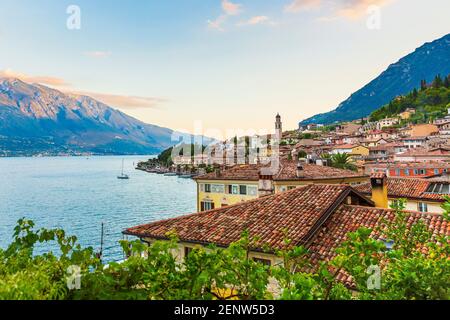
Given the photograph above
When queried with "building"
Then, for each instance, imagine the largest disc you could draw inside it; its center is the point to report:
(445, 119)
(423, 130)
(422, 195)
(406, 115)
(409, 169)
(444, 127)
(388, 122)
(373, 142)
(246, 182)
(278, 127)
(352, 150)
(385, 151)
(423, 155)
(348, 128)
(318, 217)
(414, 142)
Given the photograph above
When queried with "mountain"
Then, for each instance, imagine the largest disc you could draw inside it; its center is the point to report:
(400, 78)
(37, 119)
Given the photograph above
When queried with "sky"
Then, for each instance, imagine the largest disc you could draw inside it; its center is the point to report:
(213, 65)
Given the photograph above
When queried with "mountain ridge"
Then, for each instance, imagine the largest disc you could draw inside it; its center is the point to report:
(424, 63)
(73, 123)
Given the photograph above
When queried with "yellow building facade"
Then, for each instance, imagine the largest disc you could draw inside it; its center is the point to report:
(214, 194)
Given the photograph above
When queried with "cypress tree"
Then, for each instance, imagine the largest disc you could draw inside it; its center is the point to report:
(437, 83)
(423, 85)
(447, 81)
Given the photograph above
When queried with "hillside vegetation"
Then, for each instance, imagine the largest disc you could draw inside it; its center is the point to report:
(399, 78)
(430, 102)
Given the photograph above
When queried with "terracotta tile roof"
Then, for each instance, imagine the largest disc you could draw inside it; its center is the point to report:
(405, 188)
(345, 146)
(298, 211)
(411, 165)
(348, 219)
(287, 171)
(378, 175)
(315, 216)
(424, 152)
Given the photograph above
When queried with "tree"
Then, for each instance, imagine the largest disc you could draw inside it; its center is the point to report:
(302, 154)
(342, 161)
(423, 85)
(437, 82)
(414, 266)
(447, 81)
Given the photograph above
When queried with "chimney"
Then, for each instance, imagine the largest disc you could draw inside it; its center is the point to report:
(218, 172)
(265, 185)
(378, 182)
(300, 168)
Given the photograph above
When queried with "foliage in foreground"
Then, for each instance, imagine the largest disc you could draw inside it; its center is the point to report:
(152, 272)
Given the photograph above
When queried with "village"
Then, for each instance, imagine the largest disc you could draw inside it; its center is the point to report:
(355, 170)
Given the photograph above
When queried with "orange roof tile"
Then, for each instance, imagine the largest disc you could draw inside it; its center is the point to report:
(287, 171)
(405, 188)
(299, 212)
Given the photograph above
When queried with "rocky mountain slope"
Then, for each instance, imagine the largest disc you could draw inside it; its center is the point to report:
(400, 78)
(35, 114)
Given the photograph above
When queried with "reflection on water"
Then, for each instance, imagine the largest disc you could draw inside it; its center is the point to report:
(80, 193)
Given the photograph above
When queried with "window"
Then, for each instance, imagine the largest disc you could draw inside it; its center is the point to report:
(217, 188)
(407, 172)
(265, 262)
(436, 171)
(207, 188)
(234, 189)
(293, 187)
(422, 171)
(243, 190)
(206, 205)
(422, 207)
(397, 172)
(439, 188)
(252, 190)
(416, 171)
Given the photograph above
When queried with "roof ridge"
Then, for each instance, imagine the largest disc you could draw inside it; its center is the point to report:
(423, 214)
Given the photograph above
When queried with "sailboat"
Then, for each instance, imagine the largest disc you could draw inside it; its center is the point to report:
(122, 175)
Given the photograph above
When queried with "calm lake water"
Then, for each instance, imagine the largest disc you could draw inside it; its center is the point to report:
(79, 193)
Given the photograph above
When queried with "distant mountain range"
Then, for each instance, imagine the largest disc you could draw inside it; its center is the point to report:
(35, 119)
(400, 78)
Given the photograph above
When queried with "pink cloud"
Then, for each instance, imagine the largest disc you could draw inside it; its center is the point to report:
(257, 20)
(354, 9)
(124, 101)
(300, 5)
(45, 80)
(350, 9)
(231, 8)
(115, 100)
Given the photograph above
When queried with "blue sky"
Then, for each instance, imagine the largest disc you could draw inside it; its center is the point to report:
(231, 64)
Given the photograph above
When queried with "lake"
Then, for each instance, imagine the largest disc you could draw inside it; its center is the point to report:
(79, 193)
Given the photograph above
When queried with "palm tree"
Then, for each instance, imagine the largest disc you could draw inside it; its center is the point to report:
(342, 161)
